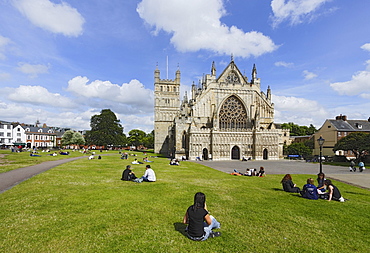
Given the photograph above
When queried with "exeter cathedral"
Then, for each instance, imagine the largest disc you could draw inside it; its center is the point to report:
(226, 117)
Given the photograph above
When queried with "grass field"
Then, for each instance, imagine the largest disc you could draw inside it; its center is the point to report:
(83, 206)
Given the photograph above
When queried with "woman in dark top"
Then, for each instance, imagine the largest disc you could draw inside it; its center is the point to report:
(321, 182)
(200, 223)
(288, 184)
(334, 193)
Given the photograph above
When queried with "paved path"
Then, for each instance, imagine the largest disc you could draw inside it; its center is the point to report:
(295, 167)
(14, 177)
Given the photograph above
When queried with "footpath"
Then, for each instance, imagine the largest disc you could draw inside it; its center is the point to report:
(11, 178)
(360, 179)
(339, 173)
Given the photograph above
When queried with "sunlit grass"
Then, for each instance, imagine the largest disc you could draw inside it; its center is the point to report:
(83, 206)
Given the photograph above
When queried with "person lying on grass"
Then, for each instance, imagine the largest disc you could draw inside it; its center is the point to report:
(200, 223)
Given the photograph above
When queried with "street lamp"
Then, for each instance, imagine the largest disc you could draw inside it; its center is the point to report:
(320, 141)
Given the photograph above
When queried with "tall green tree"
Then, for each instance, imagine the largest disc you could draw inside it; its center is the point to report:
(72, 138)
(136, 137)
(358, 143)
(105, 130)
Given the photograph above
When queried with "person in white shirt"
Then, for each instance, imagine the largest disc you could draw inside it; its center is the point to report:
(149, 175)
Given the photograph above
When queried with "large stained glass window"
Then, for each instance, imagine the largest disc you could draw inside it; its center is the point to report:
(233, 114)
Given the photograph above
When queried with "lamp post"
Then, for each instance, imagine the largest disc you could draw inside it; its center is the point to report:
(320, 141)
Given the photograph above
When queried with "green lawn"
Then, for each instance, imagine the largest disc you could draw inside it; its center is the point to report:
(14, 160)
(83, 206)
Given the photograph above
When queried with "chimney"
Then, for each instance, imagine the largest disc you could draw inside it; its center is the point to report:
(342, 117)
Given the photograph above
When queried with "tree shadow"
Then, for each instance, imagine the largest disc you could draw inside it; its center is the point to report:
(180, 227)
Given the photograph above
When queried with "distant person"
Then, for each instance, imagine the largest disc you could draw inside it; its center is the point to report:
(288, 184)
(136, 162)
(174, 162)
(128, 174)
(91, 157)
(352, 166)
(200, 223)
(262, 172)
(309, 190)
(333, 192)
(321, 182)
(361, 166)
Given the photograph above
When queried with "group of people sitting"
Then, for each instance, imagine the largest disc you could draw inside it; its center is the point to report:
(250, 172)
(174, 162)
(129, 175)
(324, 190)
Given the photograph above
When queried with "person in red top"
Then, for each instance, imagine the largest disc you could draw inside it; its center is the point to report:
(200, 223)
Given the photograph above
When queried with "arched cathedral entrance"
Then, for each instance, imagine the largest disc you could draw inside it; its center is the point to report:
(205, 154)
(235, 153)
(265, 154)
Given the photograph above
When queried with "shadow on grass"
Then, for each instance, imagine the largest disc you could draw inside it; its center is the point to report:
(180, 227)
(278, 189)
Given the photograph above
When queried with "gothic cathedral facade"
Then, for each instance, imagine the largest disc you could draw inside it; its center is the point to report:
(227, 117)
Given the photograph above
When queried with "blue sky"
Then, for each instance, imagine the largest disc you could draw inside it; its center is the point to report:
(63, 61)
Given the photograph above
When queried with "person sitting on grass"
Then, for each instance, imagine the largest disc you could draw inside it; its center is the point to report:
(200, 223)
(288, 184)
(262, 172)
(321, 183)
(149, 175)
(174, 162)
(128, 174)
(309, 190)
(334, 193)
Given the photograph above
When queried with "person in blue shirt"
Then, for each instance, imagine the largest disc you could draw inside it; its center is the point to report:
(310, 190)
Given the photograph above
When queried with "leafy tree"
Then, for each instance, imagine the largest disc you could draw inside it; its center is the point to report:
(296, 130)
(358, 143)
(298, 149)
(136, 137)
(105, 130)
(72, 138)
(149, 140)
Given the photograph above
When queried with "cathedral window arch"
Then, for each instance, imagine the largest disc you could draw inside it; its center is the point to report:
(232, 114)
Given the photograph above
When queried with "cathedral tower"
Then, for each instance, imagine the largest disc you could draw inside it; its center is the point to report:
(166, 107)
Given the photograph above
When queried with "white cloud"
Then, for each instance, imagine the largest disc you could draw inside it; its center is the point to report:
(284, 64)
(56, 18)
(196, 25)
(32, 70)
(358, 85)
(294, 10)
(366, 47)
(132, 94)
(38, 95)
(3, 42)
(308, 75)
(301, 111)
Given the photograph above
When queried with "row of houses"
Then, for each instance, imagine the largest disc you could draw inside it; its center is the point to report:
(30, 136)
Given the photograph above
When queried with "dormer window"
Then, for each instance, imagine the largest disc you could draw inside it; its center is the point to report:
(40, 130)
(359, 126)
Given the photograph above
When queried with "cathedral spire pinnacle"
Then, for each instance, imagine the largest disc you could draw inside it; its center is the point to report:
(213, 70)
